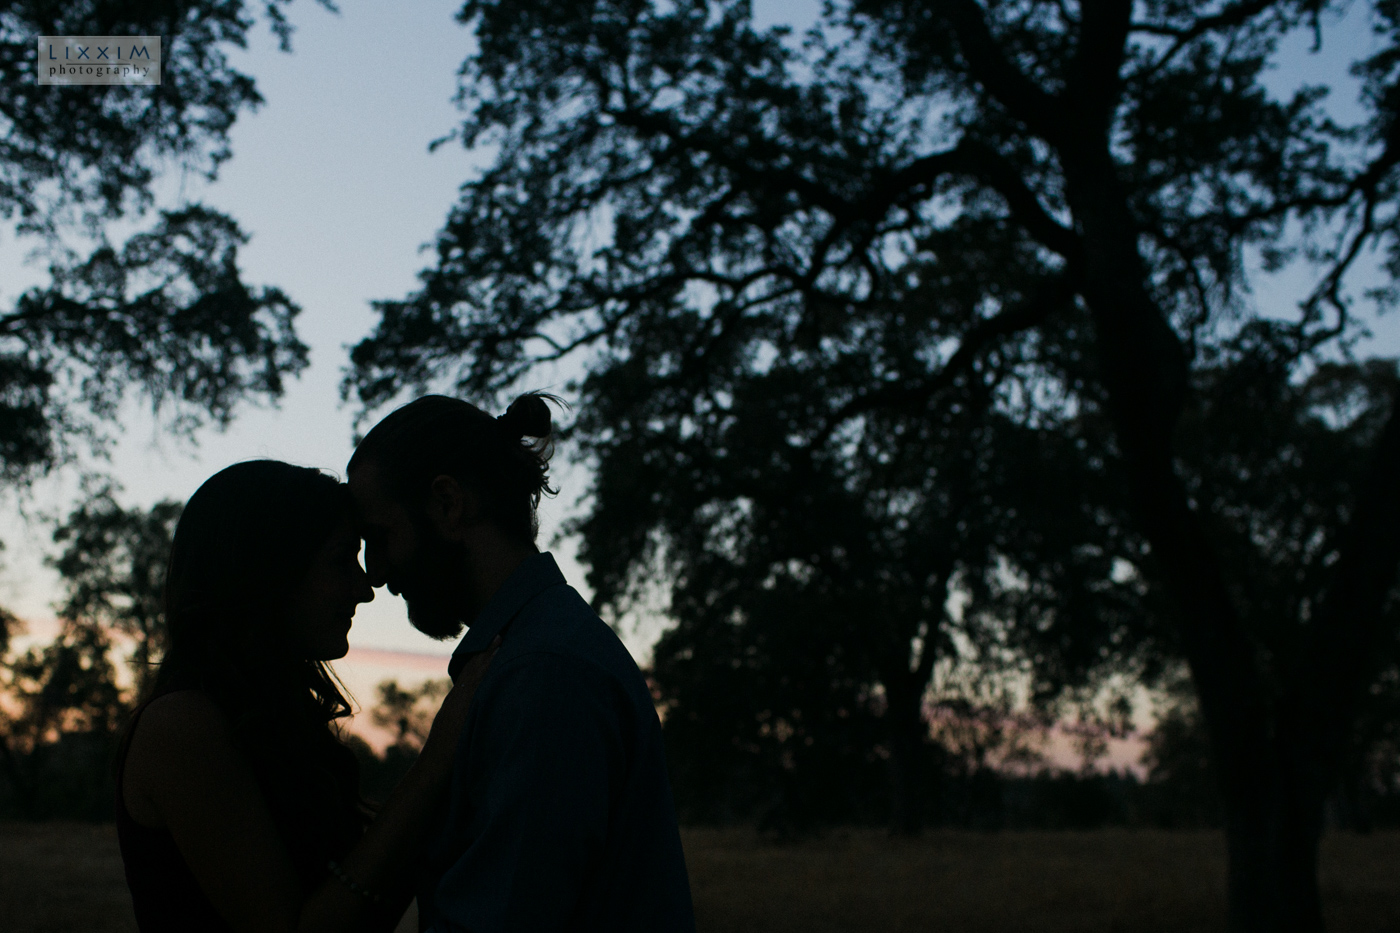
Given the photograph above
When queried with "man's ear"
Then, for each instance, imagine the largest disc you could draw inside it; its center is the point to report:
(452, 507)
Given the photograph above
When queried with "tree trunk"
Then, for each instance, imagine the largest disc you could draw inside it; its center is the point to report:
(1272, 802)
(23, 788)
(906, 681)
(1273, 826)
(908, 772)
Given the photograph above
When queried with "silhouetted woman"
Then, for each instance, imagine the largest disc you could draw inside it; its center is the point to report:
(237, 806)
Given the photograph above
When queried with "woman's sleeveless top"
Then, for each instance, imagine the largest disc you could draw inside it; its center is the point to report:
(164, 892)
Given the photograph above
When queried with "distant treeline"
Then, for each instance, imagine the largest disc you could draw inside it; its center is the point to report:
(1183, 795)
(72, 778)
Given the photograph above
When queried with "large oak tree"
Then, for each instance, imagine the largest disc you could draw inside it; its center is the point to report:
(793, 275)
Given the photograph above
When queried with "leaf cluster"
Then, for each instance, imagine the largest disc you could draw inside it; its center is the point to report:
(165, 311)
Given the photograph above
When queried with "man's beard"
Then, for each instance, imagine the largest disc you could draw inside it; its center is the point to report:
(429, 582)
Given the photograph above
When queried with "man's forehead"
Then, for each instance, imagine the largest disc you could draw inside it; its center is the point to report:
(365, 488)
(365, 479)
(365, 471)
(373, 505)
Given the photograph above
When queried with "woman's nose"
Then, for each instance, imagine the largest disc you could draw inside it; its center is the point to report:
(364, 593)
(374, 567)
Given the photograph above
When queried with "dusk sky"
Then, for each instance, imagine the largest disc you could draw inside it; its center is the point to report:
(333, 180)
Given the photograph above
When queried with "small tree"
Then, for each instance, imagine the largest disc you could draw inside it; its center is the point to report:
(409, 712)
(71, 692)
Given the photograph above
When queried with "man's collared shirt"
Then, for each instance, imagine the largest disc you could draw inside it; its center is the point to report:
(560, 815)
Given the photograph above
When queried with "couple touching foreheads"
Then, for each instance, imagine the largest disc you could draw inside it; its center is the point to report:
(540, 800)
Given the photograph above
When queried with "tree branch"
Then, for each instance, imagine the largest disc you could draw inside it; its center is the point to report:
(1022, 97)
(1095, 78)
(1022, 317)
(994, 170)
(1233, 15)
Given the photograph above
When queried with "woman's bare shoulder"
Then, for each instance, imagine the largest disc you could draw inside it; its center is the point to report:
(180, 705)
(183, 714)
(179, 737)
(181, 723)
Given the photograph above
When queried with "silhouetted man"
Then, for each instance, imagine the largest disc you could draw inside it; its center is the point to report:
(560, 815)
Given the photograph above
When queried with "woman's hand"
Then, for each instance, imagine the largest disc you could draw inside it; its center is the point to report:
(452, 715)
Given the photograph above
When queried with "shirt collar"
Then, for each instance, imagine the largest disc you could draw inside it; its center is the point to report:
(536, 573)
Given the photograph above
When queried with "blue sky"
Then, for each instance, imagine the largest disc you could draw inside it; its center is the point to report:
(333, 179)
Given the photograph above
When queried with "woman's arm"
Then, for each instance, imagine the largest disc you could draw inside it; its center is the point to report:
(185, 770)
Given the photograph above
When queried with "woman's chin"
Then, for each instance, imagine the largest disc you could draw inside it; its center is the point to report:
(331, 651)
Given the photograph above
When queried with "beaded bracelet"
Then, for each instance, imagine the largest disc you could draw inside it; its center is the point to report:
(367, 893)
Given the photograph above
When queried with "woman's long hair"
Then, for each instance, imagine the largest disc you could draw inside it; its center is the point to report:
(243, 545)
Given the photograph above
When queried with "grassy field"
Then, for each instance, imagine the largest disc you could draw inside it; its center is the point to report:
(56, 878)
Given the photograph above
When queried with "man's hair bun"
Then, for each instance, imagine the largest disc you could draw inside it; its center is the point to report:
(438, 435)
(529, 416)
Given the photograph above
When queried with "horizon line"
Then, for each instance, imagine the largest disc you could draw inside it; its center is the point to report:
(396, 657)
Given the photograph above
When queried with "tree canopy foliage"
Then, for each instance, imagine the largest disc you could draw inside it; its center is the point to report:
(138, 295)
(952, 299)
